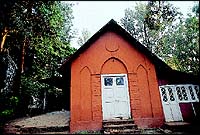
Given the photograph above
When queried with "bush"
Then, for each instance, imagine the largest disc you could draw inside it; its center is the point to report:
(8, 105)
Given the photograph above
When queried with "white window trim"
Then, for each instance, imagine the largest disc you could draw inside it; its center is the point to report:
(187, 91)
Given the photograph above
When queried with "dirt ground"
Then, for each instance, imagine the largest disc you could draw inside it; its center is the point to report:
(52, 119)
(60, 119)
(57, 119)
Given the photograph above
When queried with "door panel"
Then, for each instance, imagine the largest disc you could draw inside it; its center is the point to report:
(108, 113)
(176, 112)
(168, 113)
(115, 97)
(108, 98)
(170, 104)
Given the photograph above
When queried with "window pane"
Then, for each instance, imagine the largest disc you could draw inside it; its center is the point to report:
(197, 91)
(108, 81)
(185, 97)
(178, 90)
(171, 95)
(164, 95)
(120, 81)
(191, 93)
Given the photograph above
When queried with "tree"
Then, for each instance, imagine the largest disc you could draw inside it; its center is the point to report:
(161, 28)
(39, 40)
(50, 48)
(149, 22)
(183, 44)
(133, 21)
(84, 37)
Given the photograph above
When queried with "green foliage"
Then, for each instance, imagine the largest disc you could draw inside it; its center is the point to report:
(133, 21)
(14, 101)
(8, 106)
(159, 13)
(7, 112)
(50, 47)
(183, 45)
(39, 40)
(163, 30)
(84, 37)
(148, 23)
(195, 9)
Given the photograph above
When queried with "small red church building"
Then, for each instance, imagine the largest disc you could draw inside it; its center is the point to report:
(113, 76)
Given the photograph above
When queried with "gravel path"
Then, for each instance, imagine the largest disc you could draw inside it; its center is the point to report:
(52, 119)
(57, 119)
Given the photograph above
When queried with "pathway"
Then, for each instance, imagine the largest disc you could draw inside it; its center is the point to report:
(53, 122)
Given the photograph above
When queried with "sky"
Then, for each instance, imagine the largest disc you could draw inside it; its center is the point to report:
(93, 15)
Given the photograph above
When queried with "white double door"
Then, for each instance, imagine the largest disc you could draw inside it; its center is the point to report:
(170, 104)
(115, 96)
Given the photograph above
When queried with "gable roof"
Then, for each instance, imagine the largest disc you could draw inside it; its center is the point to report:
(114, 27)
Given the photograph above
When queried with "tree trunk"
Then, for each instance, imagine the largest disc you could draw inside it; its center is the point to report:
(147, 38)
(23, 55)
(20, 70)
(3, 39)
(44, 100)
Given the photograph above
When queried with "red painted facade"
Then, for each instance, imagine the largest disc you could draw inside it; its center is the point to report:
(112, 54)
